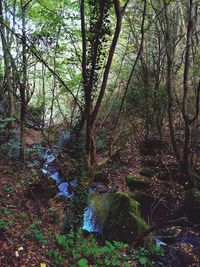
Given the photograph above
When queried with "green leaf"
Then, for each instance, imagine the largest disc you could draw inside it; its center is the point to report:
(61, 240)
(35, 224)
(83, 263)
(143, 260)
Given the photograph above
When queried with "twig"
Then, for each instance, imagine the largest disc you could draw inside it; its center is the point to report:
(157, 227)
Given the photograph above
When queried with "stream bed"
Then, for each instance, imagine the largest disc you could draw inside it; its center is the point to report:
(99, 202)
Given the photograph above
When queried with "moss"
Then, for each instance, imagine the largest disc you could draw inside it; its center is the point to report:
(192, 206)
(147, 172)
(137, 195)
(123, 222)
(137, 182)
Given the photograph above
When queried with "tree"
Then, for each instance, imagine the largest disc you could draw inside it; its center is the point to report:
(8, 78)
(93, 52)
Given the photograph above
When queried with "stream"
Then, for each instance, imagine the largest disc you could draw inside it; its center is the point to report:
(99, 202)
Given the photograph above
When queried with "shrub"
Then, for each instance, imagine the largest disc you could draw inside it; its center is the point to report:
(74, 248)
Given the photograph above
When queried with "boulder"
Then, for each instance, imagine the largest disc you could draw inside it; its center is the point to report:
(137, 182)
(137, 195)
(192, 206)
(123, 222)
(147, 172)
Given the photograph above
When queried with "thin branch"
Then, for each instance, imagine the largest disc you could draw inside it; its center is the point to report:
(178, 221)
(109, 61)
(33, 50)
(133, 68)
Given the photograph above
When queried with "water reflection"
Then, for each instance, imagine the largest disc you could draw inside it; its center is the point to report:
(95, 213)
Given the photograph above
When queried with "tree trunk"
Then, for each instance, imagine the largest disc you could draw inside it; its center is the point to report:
(24, 83)
(7, 68)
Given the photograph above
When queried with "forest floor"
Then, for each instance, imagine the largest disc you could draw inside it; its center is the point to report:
(28, 227)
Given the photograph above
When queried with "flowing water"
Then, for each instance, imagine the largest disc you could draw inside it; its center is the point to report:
(95, 212)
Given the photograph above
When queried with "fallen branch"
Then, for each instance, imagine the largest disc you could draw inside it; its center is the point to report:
(139, 240)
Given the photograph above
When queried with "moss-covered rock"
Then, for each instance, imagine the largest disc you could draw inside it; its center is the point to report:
(192, 206)
(137, 182)
(147, 172)
(123, 222)
(137, 195)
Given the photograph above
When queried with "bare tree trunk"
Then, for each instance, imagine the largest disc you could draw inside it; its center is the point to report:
(43, 97)
(7, 67)
(186, 150)
(24, 83)
(170, 57)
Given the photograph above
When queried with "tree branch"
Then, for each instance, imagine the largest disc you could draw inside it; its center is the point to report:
(109, 61)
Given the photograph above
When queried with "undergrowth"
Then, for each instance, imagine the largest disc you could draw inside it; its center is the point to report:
(74, 250)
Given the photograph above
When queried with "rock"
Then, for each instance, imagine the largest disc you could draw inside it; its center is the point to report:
(137, 195)
(147, 172)
(123, 222)
(137, 182)
(192, 206)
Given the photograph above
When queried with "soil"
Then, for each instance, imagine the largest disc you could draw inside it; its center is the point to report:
(19, 210)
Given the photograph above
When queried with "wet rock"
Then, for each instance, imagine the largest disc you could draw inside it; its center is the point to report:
(123, 222)
(147, 172)
(102, 188)
(137, 182)
(192, 206)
